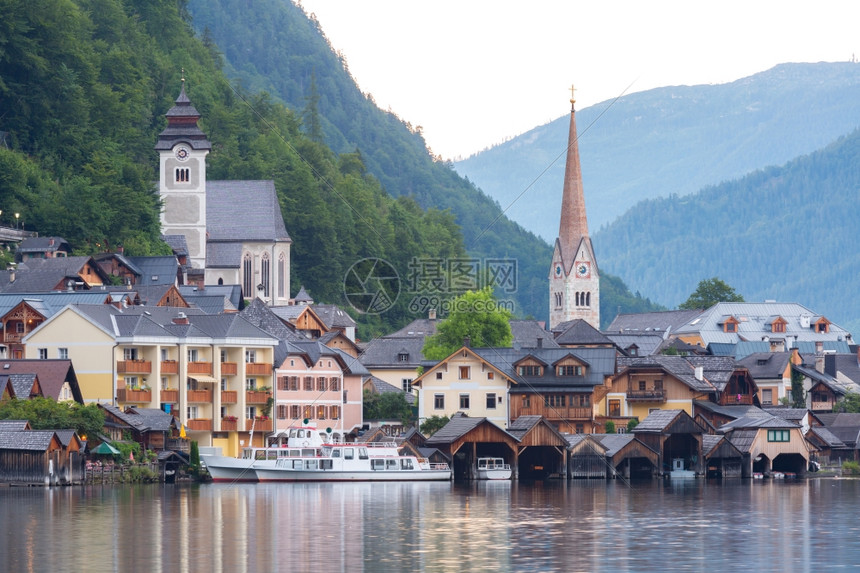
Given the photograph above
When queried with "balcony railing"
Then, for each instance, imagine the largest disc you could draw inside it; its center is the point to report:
(742, 399)
(200, 368)
(656, 395)
(260, 425)
(229, 425)
(229, 369)
(200, 395)
(128, 395)
(555, 412)
(256, 396)
(258, 369)
(229, 396)
(169, 367)
(199, 424)
(134, 367)
(179, 444)
(170, 396)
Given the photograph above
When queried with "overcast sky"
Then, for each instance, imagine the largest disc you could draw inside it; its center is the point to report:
(474, 73)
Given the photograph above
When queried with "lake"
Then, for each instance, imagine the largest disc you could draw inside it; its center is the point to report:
(689, 525)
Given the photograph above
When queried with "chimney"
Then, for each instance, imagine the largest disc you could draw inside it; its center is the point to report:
(181, 318)
(699, 373)
(467, 341)
(830, 364)
(431, 314)
(540, 342)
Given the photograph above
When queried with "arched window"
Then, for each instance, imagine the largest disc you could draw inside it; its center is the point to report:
(588, 299)
(577, 299)
(282, 275)
(183, 175)
(248, 275)
(264, 274)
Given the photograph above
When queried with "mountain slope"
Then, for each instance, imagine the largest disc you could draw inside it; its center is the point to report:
(671, 140)
(784, 233)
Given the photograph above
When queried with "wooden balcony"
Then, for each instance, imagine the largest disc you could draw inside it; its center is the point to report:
(736, 399)
(14, 336)
(200, 368)
(170, 396)
(179, 444)
(555, 413)
(199, 425)
(654, 395)
(256, 396)
(200, 396)
(258, 369)
(169, 367)
(134, 367)
(229, 425)
(260, 425)
(822, 406)
(229, 369)
(135, 396)
(229, 396)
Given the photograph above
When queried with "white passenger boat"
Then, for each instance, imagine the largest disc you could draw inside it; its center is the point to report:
(493, 468)
(307, 458)
(227, 469)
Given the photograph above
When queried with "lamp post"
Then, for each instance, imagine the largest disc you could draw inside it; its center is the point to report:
(17, 216)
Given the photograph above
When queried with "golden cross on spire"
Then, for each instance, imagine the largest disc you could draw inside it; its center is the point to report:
(572, 98)
(183, 75)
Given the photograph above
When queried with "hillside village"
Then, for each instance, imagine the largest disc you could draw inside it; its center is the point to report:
(209, 345)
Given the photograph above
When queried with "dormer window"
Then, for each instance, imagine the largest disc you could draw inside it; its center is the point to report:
(777, 325)
(822, 326)
(530, 370)
(569, 370)
(403, 357)
(730, 324)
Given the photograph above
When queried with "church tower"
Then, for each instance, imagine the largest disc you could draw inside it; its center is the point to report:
(182, 149)
(574, 281)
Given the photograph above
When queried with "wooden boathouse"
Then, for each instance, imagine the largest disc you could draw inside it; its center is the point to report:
(610, 455)
(463, 440)
(542, 450)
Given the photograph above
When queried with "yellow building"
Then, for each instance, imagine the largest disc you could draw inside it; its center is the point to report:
(213, 372)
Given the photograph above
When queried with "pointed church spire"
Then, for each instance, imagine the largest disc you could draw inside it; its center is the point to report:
(573, 225)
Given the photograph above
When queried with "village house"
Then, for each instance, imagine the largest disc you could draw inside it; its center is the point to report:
(772, 374)
(769, 444)
(42, 248)
(48, 378)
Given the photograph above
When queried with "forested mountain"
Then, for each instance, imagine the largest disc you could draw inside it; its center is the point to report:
(274, 46)
(671, 141)
(785, 233)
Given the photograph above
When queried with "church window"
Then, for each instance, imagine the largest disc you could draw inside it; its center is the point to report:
(248, 275)
(587, 299)
(577, 299)
(183, 175)
(282, 275)
(264, 274)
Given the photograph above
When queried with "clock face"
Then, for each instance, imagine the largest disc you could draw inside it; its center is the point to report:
(558, 270)
(181, 153)
(583, 270)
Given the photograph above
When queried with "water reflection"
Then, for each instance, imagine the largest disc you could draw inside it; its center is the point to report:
(486, 526)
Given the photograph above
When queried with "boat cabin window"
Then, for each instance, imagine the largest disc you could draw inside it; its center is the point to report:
(406, 464)
(301, 434)
(292, 433)
(348, 454)
(335, 453)
(260, 455)
(377, 465)
(308, 452)
(391, 464)
(311, 464)
(362, 453)
(297, 464)
(325, 464)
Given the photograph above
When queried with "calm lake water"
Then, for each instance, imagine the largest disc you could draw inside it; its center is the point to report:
(691, 525)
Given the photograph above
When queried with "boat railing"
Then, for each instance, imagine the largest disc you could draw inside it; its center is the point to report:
(380, 444)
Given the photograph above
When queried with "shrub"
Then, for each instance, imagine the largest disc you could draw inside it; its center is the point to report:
(609, 428)
(851, 468)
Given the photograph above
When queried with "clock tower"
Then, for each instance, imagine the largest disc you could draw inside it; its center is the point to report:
(574, 281)
(182, 149)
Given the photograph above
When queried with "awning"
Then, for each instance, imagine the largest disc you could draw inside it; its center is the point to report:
(105, 448)
(203, 378)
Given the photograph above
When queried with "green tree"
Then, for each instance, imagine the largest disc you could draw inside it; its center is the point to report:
(631, 425)
(476, 315)
(798, 400)
(387, 406)
(609, 427)
(433, 424)
(46, 414)
(710, 292)
(848, 403)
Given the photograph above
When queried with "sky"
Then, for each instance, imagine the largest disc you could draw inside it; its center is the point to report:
(474, 73)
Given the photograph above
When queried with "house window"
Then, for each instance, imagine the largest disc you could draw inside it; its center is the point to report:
(193, 355)
(778, 327)
(251, 384)
(778, 436)
(334, 384)
(129, 353)
(294, 412)
(283, 383)
(658, 384)
(309, 383)
(406, 384)
(464, 372)
(251, 412)
(63, 353)
(641, 385)
(321, 384)
(766, 396)
(527, 401)
(491, 375)
(403, 357)
(438, 401)
(223, 384)
(282, 412)
(334, 412)
(19, 327)
(580, 428)
(294, 383)
(491, 401)
(821, 327)
(554, 400)
(43, 354)
(731, 327)
(614, 408)
(820, 397)
(438, 375)
(192, 412)
(250, 356)
(530, 370)
(165, 356)
(321, 412)
(130, 382)
(464, 401)
(307, 411)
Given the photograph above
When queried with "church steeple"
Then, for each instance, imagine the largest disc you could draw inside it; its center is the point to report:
(574, 282)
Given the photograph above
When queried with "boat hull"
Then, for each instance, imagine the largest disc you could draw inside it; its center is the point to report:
(494, 474)
(225, 469)
(287, 475)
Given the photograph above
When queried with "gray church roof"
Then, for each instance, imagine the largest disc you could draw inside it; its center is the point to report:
(260, 220)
